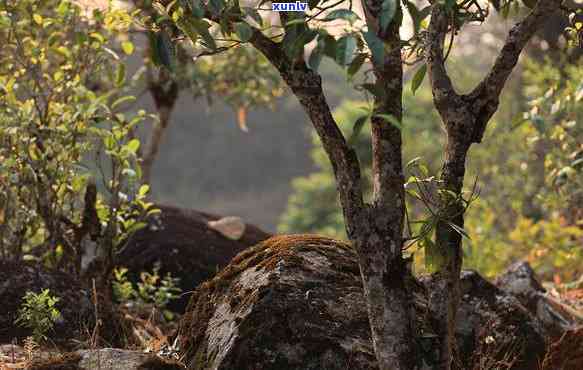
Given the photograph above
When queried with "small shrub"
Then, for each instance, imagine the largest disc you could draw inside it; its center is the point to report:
(151, 290)
(38, 313)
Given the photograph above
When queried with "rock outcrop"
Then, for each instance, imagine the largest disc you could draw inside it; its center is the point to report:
(520, 281)
(494, 328)
(74, 302)
(106, 359)
(191, 245)
(296, 302)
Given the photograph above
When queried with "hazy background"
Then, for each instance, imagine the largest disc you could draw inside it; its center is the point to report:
(206, 162)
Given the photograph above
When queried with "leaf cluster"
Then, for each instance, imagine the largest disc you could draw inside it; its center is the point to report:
(38, 313)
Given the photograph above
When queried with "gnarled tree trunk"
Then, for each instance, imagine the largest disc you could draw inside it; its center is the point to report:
(374, 229)
(465, 118)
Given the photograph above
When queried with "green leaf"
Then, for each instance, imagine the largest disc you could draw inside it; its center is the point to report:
(295, 21)
(296, 38)
(539, 123)
(459, 230)
(135, 227)
(197, 11)
(202, 27)
(123, 100)
(162, 50)
(120, 75)
(418, 15)
(357, 128)
(390, 118)
(215, 6)
(127, 47)
(99, 37)
(38, 19)
(345, 14)
(253, 14)
(388, 10)
(243, 31)
(187, 27)
(450, 4)
(62, 8)
(418, 78)
(143, 190)
(133, 145)
(330, 44)
(376, 46)
(345, 49)
(355, 65)
(317, 54)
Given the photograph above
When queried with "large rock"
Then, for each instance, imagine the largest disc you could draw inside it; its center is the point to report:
(74, 302)
(189, 244)
(105, 359)
(292, 302)
(493, 328)
(520, 281)
(296, 302)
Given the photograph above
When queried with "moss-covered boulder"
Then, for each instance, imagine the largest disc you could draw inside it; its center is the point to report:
(189, 244)
(17, 278)
(291, 302)
(296, 302)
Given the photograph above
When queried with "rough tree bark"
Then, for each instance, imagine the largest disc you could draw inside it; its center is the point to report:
(389, 297)
(465, 118)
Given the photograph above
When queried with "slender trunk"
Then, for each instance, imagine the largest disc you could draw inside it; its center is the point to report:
(164, 91)
(444, 294)
(384, 272)
(465, 118)
(156, 137)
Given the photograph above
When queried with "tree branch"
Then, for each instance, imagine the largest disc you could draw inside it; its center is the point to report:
(492, 85)
(307, 87)
(387, 169)
(485, 97)
(443, 92)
